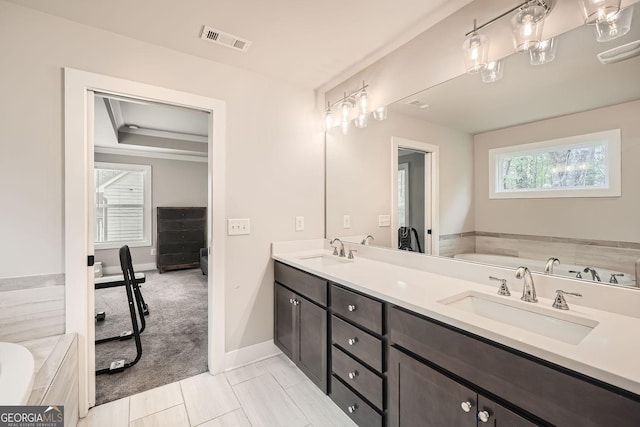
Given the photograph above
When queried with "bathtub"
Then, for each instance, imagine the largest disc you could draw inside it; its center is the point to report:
(538, 266)
(16, 374)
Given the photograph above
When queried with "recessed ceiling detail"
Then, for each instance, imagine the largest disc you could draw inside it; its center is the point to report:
(213, 35)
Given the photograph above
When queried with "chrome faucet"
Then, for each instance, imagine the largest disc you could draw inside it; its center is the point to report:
(335, 248)
(594, 274)
(365, 241)
(613, 279)
(528, 289)
(560, 302)
(548, 267)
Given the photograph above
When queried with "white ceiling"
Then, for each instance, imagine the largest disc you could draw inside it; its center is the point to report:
(307, 43)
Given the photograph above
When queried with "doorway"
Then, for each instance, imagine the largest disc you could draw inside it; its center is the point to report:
(414, 196)
(80, 88)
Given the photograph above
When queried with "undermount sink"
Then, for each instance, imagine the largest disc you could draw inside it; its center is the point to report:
(323, 260)
(560, 326)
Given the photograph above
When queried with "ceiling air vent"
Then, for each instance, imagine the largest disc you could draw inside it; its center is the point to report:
(418, 103)
(225, 39)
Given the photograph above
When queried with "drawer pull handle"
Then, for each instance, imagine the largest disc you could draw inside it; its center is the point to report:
(466, 406)
(352, 408)
(484, 416)
(352, 307)
(290, 300)
(352, 341)
(353, 375)
(296, 302)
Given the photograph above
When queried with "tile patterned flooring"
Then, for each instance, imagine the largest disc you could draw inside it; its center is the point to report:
(272, 392)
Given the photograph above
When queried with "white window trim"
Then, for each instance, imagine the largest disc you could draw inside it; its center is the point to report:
(613, 168)
(148, 209)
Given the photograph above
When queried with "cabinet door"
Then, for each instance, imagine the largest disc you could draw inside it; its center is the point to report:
(422, 397)
(312, 335)
(498, 416)
(284, 324)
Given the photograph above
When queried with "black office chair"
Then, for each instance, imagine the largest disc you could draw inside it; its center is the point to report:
(134, 300)
(404, 239)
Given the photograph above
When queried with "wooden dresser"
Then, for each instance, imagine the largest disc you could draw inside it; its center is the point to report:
(181, 234)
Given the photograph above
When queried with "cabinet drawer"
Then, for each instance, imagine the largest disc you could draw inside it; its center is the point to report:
(357, 342)
(356, 408)
(182, 225)
(181, 236)
(551, 393)
(303, 283)
(182, 213)
(165, 248)
(179, 259)
(359, 309)
(354, 373)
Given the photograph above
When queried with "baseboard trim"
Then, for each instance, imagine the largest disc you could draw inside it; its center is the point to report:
(253, 353)
(115, 269)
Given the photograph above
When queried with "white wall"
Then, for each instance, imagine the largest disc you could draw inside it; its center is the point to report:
(610, 218)
(359, 176)
(274, 152)
(173, 183)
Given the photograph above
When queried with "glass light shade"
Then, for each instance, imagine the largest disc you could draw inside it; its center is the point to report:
(617, 25)
(380, 113)
(361, 102)
(361, 121)
(345, 127)
(476, 52)
(328, 119)
(493, 72)
(526, 27)
(345, 111)
(599, 10)
(544, 53)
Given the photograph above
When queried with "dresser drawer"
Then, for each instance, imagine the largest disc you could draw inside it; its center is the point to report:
(182, 213)
(358, 376)
(359, 309)
(355, 407)
(303, 283)
(181, 236)
(359, 343)
(179, 259)
(182, 225)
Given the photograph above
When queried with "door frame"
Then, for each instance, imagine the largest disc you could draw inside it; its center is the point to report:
(79, 87)
(431, 185)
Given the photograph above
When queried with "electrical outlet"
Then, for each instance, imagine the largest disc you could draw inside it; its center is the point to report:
(299, 223)
(236, 227)
(384, 220)
(153, 251)
(346, 221)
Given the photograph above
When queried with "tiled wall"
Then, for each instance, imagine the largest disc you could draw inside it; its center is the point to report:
(31, 307)
(616, 256)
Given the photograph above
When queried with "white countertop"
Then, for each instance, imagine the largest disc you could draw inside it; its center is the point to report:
(610, 352)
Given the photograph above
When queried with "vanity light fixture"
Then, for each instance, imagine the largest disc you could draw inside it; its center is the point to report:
(544, 53)
(493, 72)
(476, 51)
(599, 10)
(526, 26)
(358, 101)
(614, 26)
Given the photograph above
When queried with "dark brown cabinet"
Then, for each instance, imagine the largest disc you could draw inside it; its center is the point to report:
(421, 396)
(300, 331)
(181, 234)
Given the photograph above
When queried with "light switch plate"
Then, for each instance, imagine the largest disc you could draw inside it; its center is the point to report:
(299, 223)
(236, 227)
(346, 221)
(384, 220)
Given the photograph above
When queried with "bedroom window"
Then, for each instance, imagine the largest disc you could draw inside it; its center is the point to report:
(122, 205)
(576, 166)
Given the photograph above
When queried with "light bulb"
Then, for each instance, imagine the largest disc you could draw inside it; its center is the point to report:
(493, 72)
(544, 53)
(345, 110)
(596, 11)
(362, 102)
(476, 51)
(527, 26)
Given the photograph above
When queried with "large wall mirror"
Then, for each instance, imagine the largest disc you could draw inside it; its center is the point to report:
(543, 163)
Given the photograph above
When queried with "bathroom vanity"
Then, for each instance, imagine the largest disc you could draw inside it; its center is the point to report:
(393, 346)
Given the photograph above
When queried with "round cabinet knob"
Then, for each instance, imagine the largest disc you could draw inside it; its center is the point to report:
(290, 300)
(484, 416)
(352, 307)
(296, 302)
(352, 341)
(466, 406)
(352, 408)
(353, 375)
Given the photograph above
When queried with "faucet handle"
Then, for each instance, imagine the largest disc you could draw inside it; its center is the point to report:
(351, 251)
(503, 289)
(613, 277)
(335, 250)
(560, 302)
(577, 273)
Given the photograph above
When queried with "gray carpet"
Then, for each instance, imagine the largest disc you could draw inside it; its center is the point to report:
(174, 343)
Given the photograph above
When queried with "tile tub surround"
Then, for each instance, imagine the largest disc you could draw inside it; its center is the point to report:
(31, 307)
(609, 353)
